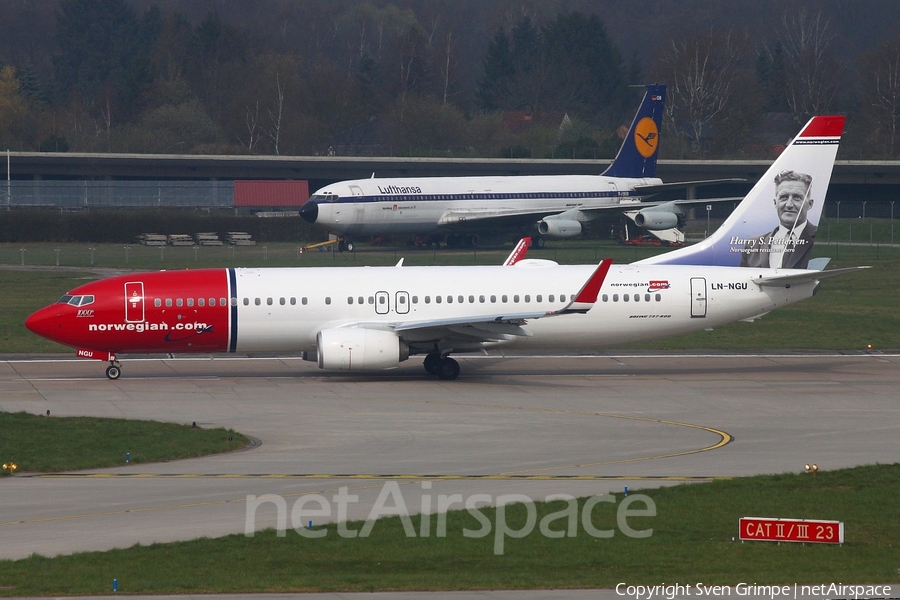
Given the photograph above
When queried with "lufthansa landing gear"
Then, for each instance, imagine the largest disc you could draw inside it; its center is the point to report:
(443, 366)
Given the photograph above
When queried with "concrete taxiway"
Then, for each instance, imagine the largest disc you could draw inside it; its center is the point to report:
(531, 425)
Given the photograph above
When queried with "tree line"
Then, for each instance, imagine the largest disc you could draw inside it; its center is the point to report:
(440, 77)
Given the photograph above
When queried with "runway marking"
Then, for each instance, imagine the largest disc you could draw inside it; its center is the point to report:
(402, 476)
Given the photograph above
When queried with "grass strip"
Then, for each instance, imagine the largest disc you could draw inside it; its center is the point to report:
(692, 541)
(50, 444)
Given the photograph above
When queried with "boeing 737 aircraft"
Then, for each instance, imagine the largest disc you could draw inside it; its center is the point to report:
(365, 318)
(548, 206)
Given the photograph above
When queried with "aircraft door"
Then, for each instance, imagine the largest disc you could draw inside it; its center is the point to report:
(401, 303)
(134, 302)
(698, 297)
(359, 207)
(382, 303)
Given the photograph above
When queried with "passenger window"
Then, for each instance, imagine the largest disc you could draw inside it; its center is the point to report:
(212, 302)
(179, 303)
(460, 299)
(516, 298)
(538, 298)
(615, 297)
(605, 298)
(190, 301)
(281, 301)
(437, 299)
(257, 301)
(303, 301)
(415, 299)
(493, 299)
(269, 301)
(371, 299)
(562, 297)
(233, 301)
(157, 302)
(427, 299)
(327, 299)
(201, 302)
(658, 297)
(637, 297)
(223, 302)
(527, 298)
(381, 299)
(246, 301)
(449, 299)
(550, 298)
(361, 300)
(625, 297)
(293, 301)
(646, 297)
(168, 303)
(481, 299)
(504, 298)
(350, 300)
(402, 300)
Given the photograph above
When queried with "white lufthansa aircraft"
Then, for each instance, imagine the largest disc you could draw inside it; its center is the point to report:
(369, 318)
(458, 209)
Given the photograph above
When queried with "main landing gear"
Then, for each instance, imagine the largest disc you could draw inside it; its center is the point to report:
(443, 366)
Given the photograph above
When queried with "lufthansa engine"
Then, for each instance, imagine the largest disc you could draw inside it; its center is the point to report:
(656, 220)
(358, 349)
(559, 229)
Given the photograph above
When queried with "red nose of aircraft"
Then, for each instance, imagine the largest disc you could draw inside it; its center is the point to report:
(47, 323)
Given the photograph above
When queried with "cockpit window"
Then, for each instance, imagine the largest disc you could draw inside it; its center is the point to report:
(324, 197)
(76, 300)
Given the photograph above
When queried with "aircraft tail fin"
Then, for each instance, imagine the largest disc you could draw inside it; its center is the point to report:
(518, 252)
(638, 153)
(775, 224)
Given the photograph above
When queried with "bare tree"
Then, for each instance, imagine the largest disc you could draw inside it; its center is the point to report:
(276, 114)
(882, 91)
(812, 74)
(702, 70)
(251, 121)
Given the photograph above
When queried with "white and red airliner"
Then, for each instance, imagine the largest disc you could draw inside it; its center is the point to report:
(368, 318)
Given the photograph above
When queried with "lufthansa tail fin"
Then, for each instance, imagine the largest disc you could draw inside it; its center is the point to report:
(637, 156)
(775, 224)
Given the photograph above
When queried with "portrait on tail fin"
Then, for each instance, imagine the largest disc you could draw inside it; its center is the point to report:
(789, 246)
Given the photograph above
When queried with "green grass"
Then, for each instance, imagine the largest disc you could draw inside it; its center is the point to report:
(692, 541)
(42, 444)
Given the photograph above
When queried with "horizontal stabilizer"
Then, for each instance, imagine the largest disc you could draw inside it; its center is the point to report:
(803, 277)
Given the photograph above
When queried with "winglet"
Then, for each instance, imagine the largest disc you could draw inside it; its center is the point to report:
(587, 296)
(640, 148)
(518, 252)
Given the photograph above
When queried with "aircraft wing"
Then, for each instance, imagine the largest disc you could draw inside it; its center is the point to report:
(677, 185)
(495, 216)
(497, 326)
(803, 277)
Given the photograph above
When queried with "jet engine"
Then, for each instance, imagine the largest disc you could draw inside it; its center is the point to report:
(657, 218)
(559, 229)
(359, 349)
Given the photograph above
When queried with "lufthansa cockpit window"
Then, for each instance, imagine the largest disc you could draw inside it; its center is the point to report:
(324, 197)
(76, 300)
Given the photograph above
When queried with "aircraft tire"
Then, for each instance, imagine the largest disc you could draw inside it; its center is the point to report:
(448, 369)
(113, 372)
(349, 246)
(431, 363)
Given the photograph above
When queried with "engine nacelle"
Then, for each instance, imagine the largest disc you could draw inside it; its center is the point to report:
(656, 220)
(359, 349)
(560, 229)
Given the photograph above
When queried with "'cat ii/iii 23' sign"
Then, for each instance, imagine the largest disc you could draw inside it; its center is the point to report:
(791, 530)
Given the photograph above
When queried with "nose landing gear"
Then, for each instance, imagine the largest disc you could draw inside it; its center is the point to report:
(114, 370)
